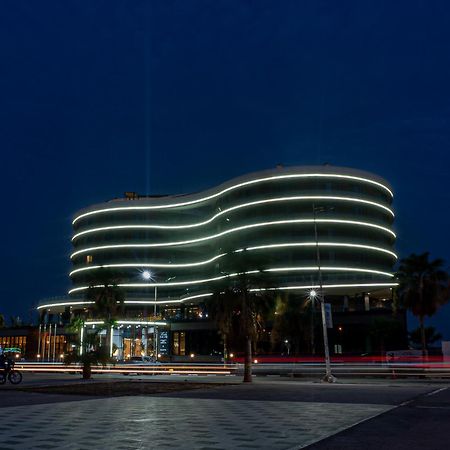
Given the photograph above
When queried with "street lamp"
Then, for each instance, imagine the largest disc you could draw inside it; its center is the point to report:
(329, 378)
(147, 275)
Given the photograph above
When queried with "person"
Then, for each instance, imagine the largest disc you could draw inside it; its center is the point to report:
(2, 358)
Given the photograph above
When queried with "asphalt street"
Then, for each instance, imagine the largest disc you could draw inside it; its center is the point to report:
(421, 423)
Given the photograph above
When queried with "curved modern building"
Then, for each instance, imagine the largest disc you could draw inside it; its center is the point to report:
(293, 221)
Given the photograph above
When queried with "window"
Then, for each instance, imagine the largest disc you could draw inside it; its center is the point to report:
(88, 259)
(179, 343)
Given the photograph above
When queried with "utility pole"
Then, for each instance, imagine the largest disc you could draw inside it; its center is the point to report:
(329, 378)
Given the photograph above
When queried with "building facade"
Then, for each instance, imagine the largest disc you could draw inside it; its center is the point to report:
(168, 251)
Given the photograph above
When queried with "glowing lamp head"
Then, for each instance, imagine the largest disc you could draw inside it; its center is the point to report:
(146, 275)
(313, 293)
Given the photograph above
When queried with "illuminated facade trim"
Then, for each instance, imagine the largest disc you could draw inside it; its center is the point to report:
(237, 186)
(226, 211)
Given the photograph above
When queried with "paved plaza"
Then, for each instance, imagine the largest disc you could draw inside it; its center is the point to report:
(265, 415)
(149, 422)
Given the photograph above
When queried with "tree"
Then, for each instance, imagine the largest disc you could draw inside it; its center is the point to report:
(424, 287)
(90, 352)
(221, 308)
(2, 321)
(241, 303)
(431, 336)
(293, 322)
(108, 300)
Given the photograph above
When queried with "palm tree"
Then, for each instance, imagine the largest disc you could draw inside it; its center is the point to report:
(221, 308)
(108, 300)
(242, 300)
(424, 287)
(293, 322)
(90, 352)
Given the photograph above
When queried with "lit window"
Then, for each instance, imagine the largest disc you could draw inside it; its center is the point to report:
(88, 259)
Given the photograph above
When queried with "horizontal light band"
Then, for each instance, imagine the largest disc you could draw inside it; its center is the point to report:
(179, 227)
(325, 286)
(236, 186)
(221, 277)
(181, 300)
(330, 269)
(147, 285)
(140, 322)
(193, 297)
(190, 241)
(150, 302)
(149, 265)
(267, 270)
(51, 305)
(127, 322)
(132, 302)
(322, 244)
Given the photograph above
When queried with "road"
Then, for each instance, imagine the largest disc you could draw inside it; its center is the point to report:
(271, 413)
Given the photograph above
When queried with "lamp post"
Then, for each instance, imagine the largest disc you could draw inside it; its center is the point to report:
(147, 275)
(329, 378)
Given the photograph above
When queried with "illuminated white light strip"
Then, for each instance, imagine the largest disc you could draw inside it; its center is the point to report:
(243, 205)
(111, 343)
(221, 277)
(329, 286)
(81, 340)
(131, 302)
(182, 300)
(236, 186)
(50, 305)
(310, 286)
(190, 241)
(127, 322)
(151, 302)
(146, 265)
(331, 269)
(323, 244)
(140, 322)
(173, 283)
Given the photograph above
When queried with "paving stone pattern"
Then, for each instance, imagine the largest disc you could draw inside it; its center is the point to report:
(176, 423)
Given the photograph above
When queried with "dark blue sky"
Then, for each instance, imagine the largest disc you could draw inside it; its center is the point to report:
(102, 97)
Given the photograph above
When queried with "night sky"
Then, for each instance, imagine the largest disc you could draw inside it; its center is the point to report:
(102, 97)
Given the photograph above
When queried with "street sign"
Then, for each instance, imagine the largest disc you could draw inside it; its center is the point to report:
(163, 342)
(328, 315)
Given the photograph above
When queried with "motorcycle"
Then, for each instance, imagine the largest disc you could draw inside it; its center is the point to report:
(7, 371)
